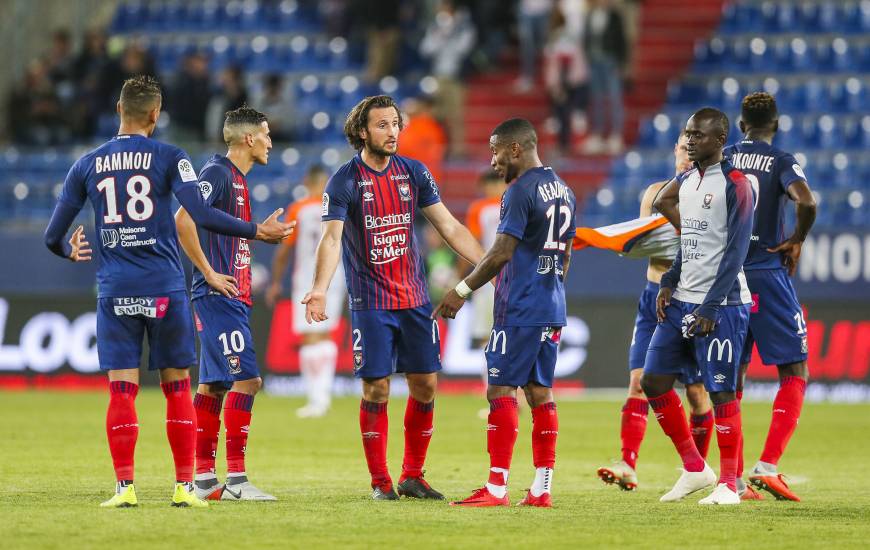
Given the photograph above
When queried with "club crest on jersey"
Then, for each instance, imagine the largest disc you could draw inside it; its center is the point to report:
(404, 190)
(235, 364)
(357, 360)
(708, 198)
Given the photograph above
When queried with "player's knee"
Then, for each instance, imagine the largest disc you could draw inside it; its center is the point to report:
(722, 397)
(697, 396)
(635, 391)
(794, 369)
(495, 392)
(376, 390)
(212, 390)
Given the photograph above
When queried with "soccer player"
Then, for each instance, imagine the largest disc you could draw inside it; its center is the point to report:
(776, 323)
(634, 412)
(130, 181)
(482, 220)
(369, 209)
(221, 298)
(703, 305)
(531, 255)
(318, 354)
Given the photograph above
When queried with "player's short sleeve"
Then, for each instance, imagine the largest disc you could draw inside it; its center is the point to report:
(180, 171)
(213, 182)
(790, 171)
(572, 229)
(74, 191)
(682, 176)
(338, 196)
(516, 205)
(427, 187)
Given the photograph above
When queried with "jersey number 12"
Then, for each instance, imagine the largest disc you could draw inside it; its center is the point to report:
(554, 240)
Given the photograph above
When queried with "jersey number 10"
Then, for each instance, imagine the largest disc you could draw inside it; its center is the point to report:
(554, 240)
(139, 207)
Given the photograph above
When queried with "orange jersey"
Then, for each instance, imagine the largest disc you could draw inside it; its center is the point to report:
(483, 219)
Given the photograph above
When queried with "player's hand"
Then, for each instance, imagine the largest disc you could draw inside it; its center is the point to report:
(450, 304)
(663, 300)
(791, 253)
(81, 248)
(225, 284)
(273, 230)
(702, 326)
(315, 307)
(273, 293)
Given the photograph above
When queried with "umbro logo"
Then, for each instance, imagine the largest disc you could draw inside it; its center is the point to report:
(371, 435)
(491, 427)
(723, 429)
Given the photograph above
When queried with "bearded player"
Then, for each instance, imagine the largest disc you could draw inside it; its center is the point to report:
(635, 411)
(130, 181)
(776, 323)
(369, 209)
(531, 256)
(318, 353)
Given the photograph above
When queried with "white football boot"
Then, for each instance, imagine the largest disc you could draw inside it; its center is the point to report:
(243, 489)
(690, 482)
(722, 494)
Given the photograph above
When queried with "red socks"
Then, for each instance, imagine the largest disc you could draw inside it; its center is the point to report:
(786, 411)
(122, 427)
(180, 427)
(702, 432)
(728, 434)
(418, 433)
(634, 418)
(374, 425)
(501, 431)
(208, 426)
(669, 412)
(237, 416)
(545, 430)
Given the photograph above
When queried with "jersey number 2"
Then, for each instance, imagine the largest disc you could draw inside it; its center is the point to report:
(140, 207)
(554, 239)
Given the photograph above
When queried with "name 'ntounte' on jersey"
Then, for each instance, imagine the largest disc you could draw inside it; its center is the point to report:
(538, 209)
(130, 181)
(382, 264)
(770, 171)
(716, 224)
(224, 186)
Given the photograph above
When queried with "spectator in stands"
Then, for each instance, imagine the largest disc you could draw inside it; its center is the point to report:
(89, 67)
(448, 41)
(606, 50)
(59, 65)
(423, 138)
(273, 101)
(232, 94)
(35, 112)
(565, 75)
(380, 21)
(533, 19)
(188, 99)
(493, 23)
(134, 60)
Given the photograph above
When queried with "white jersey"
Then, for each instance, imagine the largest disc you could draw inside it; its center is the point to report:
(482, 220)
(304, 240)
(716, 209)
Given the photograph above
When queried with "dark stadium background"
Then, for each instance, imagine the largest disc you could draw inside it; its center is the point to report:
(58, 95)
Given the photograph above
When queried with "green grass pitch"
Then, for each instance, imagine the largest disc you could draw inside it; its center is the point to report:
(55, 469)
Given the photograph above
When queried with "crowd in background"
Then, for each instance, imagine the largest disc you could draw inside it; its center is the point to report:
(577, 52)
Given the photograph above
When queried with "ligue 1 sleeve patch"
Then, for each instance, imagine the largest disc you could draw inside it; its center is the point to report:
(799, 171)
(186, 171)
(205, 189)
(152, 308)
(325, 204)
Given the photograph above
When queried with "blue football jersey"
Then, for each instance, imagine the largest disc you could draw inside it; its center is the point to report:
(538, 209)
(770, 171)
(130, 181)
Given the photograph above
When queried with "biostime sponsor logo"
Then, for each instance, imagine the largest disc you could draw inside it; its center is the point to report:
(377, 222)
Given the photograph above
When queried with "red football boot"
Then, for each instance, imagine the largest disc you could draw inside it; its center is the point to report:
(543, 501)
(751, 494)
(482, 498)
(775, 485)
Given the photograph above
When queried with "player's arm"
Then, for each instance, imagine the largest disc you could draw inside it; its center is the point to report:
(456, 235)
(669, 281)
(189, 239)
(327, 257)
(566, 263)
(495, 258)
(668, 202)
(646, 202)
(69, 204)
(805, 210)
(739, 202)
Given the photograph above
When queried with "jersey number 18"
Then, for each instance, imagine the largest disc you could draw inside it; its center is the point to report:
(139, 207)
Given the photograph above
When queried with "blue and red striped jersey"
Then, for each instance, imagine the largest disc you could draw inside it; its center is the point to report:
(225, 187)
(539, 210)
(382, 264)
